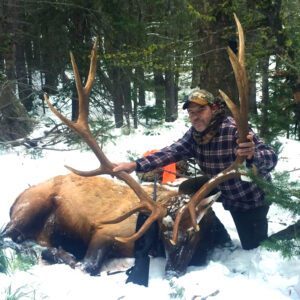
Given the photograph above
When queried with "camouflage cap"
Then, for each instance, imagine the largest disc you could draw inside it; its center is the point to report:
(198, 96)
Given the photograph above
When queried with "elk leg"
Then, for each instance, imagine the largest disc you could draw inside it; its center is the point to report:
(58, 255)
(97, 251)
(139, 273)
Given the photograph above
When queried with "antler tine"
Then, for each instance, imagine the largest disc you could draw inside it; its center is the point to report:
(241, 119)
(155, 215)
(84, 92)
(232, 107)
(242, 83)
(241, 50)
(81, 127)
(238, 65)
(93, 69)
(83, 99)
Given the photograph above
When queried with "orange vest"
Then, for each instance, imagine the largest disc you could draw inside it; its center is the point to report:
(166, 176)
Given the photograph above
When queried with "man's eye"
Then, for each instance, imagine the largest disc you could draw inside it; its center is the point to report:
(195, 111)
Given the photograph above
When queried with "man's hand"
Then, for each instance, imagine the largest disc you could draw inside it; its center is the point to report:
(247, 148)
(128, 167)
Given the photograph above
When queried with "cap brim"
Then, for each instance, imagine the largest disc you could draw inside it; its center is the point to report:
(200, 102)
(186, 104)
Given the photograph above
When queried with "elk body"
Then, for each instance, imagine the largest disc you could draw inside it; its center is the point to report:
(63, 215)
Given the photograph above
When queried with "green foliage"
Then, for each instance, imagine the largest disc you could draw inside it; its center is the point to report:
(152, 114)
(198, 14)
(151, 132)
(22, 261)
(280, 112)
(276, 145)
(35, 153)
(285, 193)
(12, 260)
(155, 36)
(155, 128)
(4, 262)
(16, 260)
(288, 248)
(132, 156)
(177, 292)
(281, 190)
(22, 292)
(101, 130)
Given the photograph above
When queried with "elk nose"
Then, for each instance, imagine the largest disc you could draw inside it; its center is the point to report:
(169, 274)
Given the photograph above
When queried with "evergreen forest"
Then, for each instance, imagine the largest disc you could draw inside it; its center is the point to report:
(146, 48)
(158, 48)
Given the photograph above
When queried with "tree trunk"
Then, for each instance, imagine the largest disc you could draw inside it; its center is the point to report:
(297, 118)
(252, 97)
(24, 88)
(48, 61)
(171, 104)
(14, 120)
(265, 97)
(140, 82)
(159, 89)
(126, 94)
(211, 66)
(135, 104)
(8, 38)
(117, 96)
(288, 233)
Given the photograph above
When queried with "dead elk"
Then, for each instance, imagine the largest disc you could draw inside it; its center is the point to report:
(63, 215)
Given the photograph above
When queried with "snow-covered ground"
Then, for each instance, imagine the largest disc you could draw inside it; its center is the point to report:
(239, 274)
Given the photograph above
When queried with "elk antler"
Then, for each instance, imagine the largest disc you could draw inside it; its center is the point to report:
(81, 127)
(241, 119)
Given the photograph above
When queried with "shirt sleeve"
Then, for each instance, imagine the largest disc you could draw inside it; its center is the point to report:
(265, 158)
(182, 149)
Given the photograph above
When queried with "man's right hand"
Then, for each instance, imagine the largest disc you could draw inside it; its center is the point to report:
(128, 167)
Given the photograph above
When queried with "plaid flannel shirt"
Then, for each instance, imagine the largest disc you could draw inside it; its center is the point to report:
(213, 158)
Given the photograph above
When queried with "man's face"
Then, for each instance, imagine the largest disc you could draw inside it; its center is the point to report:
(200, 116)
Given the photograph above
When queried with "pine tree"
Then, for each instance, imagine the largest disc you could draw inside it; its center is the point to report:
(286, 194)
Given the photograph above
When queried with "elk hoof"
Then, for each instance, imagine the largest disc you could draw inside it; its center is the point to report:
(90, 268)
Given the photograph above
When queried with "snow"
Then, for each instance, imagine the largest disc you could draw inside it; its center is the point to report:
(230, 274)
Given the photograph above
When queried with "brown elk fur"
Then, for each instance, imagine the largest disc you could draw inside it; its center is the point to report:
(71, 208)
(64, 213)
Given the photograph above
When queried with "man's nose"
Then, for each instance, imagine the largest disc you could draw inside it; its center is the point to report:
(194, 117)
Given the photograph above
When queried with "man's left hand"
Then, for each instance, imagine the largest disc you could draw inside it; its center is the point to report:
(247, 148)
